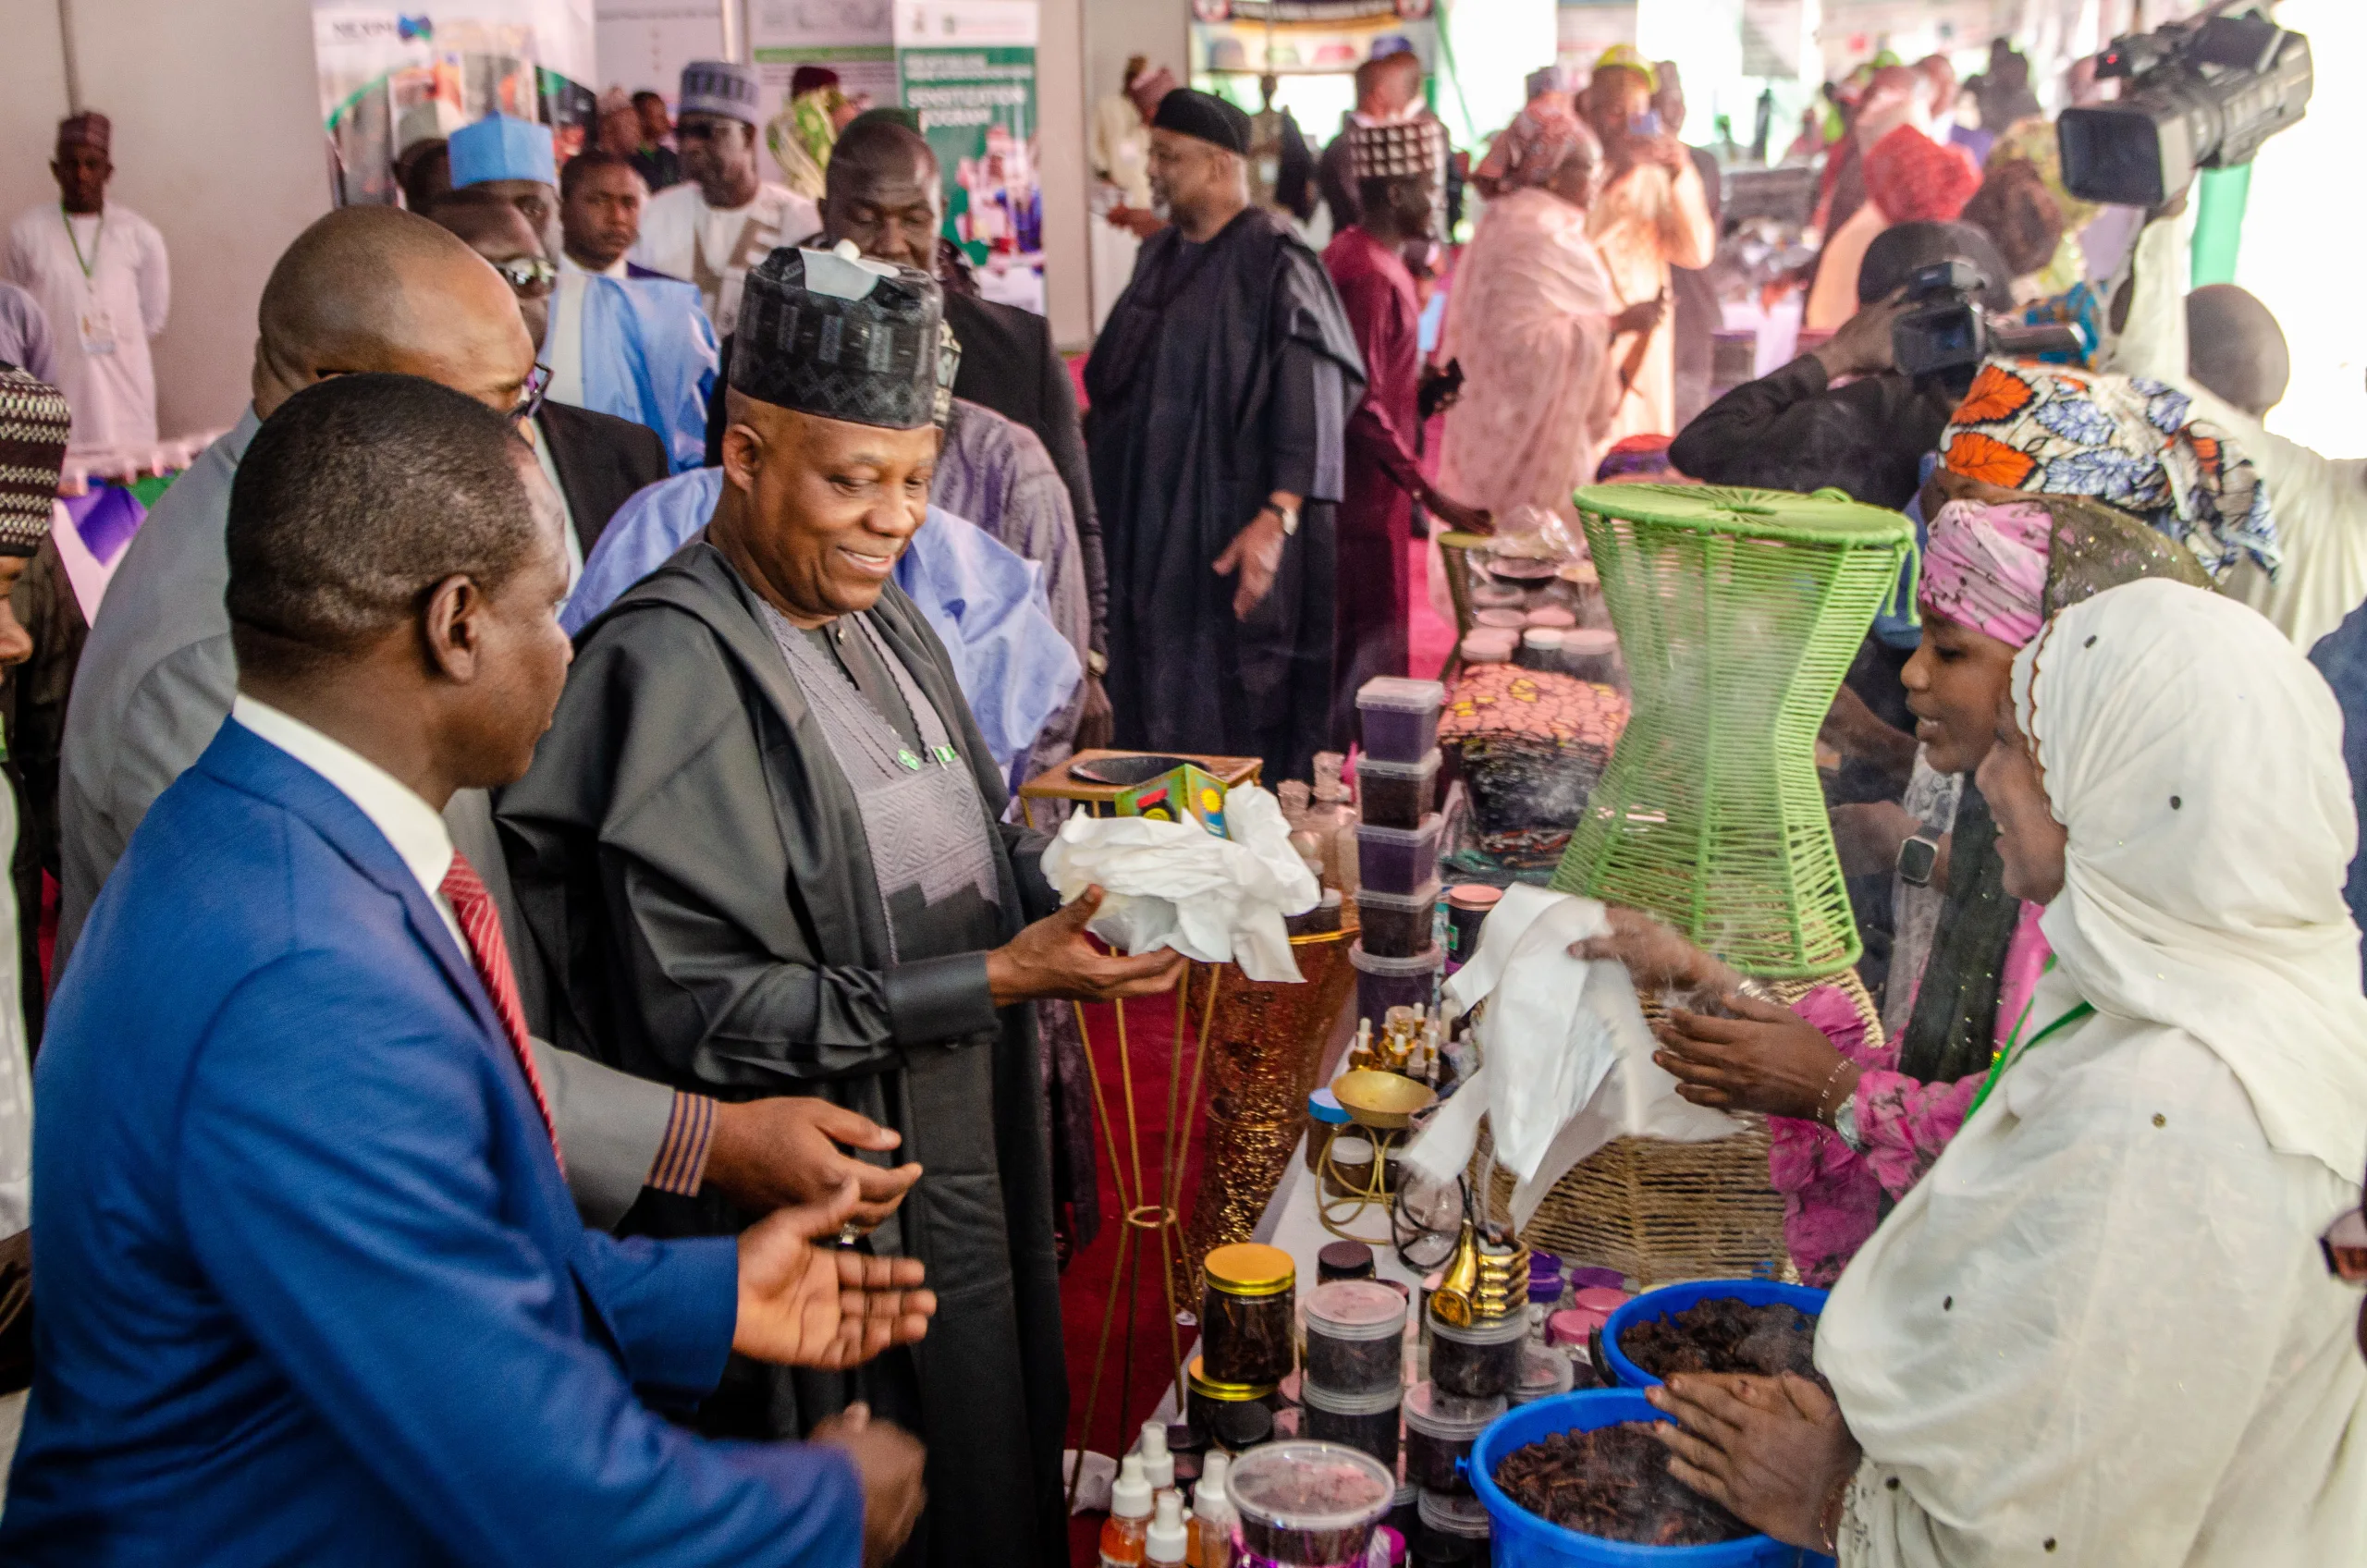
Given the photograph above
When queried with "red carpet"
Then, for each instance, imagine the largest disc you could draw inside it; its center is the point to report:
(1136, 1367)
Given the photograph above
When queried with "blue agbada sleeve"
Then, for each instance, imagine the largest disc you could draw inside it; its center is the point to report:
(988, 607)
(343, 1204)
(649, 356)
(654, 522)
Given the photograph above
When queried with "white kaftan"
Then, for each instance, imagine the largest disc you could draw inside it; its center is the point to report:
(714, 247)
(104, 282)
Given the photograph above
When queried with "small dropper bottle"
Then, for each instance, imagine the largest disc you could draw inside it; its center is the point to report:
(1159, 1466)
(1212, 1515)
(1166, 1543)
(1129, 1522)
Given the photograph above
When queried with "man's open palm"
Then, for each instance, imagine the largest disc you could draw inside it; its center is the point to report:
(802, 1304)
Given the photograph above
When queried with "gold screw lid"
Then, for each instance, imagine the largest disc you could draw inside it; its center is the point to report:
(1226, 1394)
(1249, 1269)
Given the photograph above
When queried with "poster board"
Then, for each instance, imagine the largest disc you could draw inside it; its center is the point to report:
(388, 77)
(1308, 36)
(967, 68)
(645, 44)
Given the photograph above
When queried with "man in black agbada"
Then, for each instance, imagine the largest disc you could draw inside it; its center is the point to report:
(761, 849)
(1219, 394)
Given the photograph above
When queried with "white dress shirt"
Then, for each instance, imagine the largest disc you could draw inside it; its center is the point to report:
(563, 340)
(413, 829)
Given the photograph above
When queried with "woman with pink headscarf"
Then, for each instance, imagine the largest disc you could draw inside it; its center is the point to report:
(1856, 1120)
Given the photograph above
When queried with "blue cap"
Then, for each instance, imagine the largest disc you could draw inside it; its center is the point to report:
(502, 147)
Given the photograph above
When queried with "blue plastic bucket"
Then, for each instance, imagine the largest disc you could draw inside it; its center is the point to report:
(1670, 1300)
(1523, 1540)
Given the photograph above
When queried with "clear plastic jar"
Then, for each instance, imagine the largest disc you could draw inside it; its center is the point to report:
(1367, 1423)
(1440, 1430)
(1245, 1329)
(1356, 1341)
(1479, 1362)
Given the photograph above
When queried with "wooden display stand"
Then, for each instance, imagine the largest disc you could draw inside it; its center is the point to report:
(1230, 1010)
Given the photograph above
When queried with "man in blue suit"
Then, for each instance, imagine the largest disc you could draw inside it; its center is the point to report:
(312, 1287)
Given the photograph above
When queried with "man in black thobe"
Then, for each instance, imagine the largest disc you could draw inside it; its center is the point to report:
(1219, 394)
(760, 848)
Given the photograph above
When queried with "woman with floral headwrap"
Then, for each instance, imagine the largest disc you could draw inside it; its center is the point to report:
(2128, 441)
(1855, 1121)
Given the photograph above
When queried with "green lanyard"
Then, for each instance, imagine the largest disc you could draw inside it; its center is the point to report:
(2014, 1049)
(98, 238)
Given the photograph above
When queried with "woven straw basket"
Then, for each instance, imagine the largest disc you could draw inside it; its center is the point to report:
(1659, 1211)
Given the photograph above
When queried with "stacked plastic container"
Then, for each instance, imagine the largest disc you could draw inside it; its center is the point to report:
(1354, 1376)
(1396, 956)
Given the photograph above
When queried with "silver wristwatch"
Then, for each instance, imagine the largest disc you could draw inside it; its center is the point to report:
(1844, 1120)
(1288, 516)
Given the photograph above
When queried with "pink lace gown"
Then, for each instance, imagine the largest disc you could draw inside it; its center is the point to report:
(1833, 1193)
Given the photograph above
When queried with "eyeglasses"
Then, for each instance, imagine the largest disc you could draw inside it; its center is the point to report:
(2345, 1245)
(526, 274)
(531, 394)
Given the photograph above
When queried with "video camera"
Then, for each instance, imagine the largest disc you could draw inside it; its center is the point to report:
(1949, 333)
(2201, 95)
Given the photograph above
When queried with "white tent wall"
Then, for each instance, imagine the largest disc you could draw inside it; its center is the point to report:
(217, 143)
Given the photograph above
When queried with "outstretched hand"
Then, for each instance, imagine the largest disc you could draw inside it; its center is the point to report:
(1458, 517)
(1054, 957)
(823, 1306)
(1774, 1450)
(1766, 1059)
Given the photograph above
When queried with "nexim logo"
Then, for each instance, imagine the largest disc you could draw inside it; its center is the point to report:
(415, 30)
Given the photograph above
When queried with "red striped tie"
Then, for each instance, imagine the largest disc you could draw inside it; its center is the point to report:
(480, 922)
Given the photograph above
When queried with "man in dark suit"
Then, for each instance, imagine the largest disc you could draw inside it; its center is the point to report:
(594, 460)
(296, 1150)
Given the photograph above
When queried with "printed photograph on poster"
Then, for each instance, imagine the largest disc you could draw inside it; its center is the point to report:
(968, 68)
(843, 51)
(392, 81)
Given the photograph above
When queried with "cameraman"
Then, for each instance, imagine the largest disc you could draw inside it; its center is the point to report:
(1796, 430)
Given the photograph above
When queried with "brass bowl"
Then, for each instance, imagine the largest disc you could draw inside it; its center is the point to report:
(1373, 1098)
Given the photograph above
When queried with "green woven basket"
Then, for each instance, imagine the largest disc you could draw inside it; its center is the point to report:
(1738, 613)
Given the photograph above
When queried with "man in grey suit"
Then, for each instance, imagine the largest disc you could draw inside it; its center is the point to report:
(374, 288)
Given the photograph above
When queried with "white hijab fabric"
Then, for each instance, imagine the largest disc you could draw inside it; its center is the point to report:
(2196, 757)
(2098, 1330)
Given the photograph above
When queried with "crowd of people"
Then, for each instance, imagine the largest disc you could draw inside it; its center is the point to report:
(555, 1047)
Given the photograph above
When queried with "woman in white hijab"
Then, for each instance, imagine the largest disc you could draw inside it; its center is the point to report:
(2101, 1332)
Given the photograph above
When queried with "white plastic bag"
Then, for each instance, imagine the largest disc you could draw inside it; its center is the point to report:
(1176, 884)
(1568, 1055)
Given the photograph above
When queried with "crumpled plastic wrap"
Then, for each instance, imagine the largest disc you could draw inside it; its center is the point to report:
(1568, 1057)
(1176, 884)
